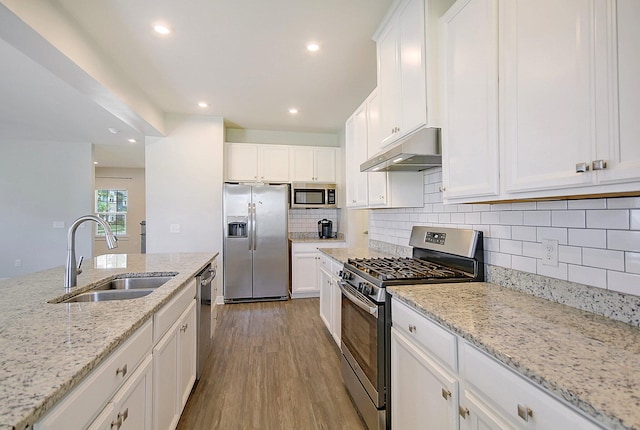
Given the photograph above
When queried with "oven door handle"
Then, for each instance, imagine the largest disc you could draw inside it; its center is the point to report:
(373, 310)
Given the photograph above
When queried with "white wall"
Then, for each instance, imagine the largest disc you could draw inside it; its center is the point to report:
(184, 187)
(599, 239)
(241, 135)
(132, 180)
(43, 182)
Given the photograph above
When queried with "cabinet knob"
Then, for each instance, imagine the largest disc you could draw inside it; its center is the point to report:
(598, 165)
(464, 412)
(124, 415)
(524, 412)
(582, 167)
(122, 370)
(412, 328)
(184, 328)
(116, 423)
(446, 394)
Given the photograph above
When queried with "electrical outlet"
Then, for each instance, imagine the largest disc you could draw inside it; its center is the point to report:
(550, 252)
(18, 262)
(58, 224)
(174, 228)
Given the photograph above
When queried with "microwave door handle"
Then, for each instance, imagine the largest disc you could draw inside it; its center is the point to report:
(373, 310)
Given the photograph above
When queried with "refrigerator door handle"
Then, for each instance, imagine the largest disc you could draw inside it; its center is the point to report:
(255, 245)
(249, 226)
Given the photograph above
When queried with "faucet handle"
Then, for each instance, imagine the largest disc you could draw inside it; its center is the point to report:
(79, 270)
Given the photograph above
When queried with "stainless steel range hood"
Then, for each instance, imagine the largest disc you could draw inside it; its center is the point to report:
(416, 152)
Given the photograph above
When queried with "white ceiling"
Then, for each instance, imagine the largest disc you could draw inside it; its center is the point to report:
(246, 58)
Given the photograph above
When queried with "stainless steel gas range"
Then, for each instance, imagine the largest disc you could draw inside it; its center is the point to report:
(439, 255)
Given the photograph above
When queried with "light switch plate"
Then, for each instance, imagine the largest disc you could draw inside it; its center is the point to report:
(58, 224)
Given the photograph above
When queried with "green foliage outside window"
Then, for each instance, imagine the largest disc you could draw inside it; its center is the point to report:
(111, 206)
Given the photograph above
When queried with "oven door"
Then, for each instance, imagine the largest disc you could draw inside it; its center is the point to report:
(363, 336)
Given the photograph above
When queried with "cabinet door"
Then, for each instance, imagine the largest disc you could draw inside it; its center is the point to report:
(411, 45)
(336, 304)
(547, 102)
(326, 299)
(324, 164)
(470, 105)
(423, 395)
(387, 47)
(376, 181)
(165, 377)
(305, 274)
(623, 152)
(186, 355)
(274, 163)
(359, 154)
(242, 161)
(301, 161)
(476, 415)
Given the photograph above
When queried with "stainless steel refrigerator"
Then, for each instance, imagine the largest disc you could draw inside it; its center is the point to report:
(256, 253)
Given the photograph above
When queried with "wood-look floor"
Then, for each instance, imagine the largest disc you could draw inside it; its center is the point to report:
(274, 366)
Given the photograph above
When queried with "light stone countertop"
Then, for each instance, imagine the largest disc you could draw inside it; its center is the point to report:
(343, 254)
(47, 348)
(590, 361)
(313, 237)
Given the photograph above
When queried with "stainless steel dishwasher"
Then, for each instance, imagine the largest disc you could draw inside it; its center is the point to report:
(203, 281)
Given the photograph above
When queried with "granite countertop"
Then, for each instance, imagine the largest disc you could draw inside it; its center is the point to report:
(590, 361)
(313, 237)
(343, 254)
(47, 348)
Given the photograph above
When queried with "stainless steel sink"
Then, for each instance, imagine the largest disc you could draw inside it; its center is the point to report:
(121, 289)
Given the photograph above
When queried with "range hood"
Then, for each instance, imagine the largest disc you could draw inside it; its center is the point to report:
(416, 152)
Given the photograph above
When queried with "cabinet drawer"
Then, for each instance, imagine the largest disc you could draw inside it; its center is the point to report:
(80, 406)
(426, 333)
(516, 398)
(165, 317)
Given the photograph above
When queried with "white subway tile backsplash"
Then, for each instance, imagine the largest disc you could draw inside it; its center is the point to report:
(537, 218)
(457, 218)
(623, 282)
(559, 272)
(499, 259)
(444, 218)
(513, 247)
(500, 231)
(623, 203)
(623, 240)
(588, 276)
(603, 258)
(532, 249)
(490, 217)
(481, 207)
(570, 254)
(472, 218)
(610, 219)
(522, 206)
(590, 238)
(635, 219)
(524, 233)
(553, 204)
(632, 262)
(559, 234)
(511, 218)
(525, 264)
(587, 204)
(573, 218)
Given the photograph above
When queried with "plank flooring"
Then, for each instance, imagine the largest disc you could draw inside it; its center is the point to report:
(274, 366)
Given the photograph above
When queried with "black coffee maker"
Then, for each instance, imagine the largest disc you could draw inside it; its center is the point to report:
(325, 229)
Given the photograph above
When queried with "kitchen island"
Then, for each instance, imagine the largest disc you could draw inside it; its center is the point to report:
(589, 361)
(46, 348)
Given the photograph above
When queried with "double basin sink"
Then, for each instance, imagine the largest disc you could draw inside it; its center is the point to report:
(121, 289)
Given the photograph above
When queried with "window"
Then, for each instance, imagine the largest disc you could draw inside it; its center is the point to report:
(111, 206)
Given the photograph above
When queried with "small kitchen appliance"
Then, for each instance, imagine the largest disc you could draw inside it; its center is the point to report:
(325, 229)
(439, 255)
(313, 195)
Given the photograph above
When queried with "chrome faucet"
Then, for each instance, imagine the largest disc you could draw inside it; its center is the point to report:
(72, 271)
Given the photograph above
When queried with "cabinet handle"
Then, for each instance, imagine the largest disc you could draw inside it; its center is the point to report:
(122, 370)
(582, 167)
(446, 394)
(598, 165)
(124, 415)
(184, 327)
(116, 423)
(442, 189)
(524, 412)
(412, 328)
(464, 412)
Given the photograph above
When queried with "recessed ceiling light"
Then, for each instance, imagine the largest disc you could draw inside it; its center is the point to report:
(113, 130)
(162, 29)
(293, 110)
(312, 46)
(203, 104)
(132, 140)
(95, 162)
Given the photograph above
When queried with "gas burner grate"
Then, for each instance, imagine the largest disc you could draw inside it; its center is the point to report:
(388, 269)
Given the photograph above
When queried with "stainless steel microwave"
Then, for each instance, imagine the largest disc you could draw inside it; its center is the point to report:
(306, 195)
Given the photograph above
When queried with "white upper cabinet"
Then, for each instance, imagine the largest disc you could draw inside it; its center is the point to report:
(401, 71)
(257, 162)
(470, 152)
(312, 164)
(568, 84)
(356, 153)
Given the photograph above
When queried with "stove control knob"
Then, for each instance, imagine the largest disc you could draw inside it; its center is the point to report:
(368, 289)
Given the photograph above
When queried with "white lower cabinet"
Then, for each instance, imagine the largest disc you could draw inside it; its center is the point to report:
(174, 370)
(305, 267)
(142, 385)
(330, 296)
(470, 390)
